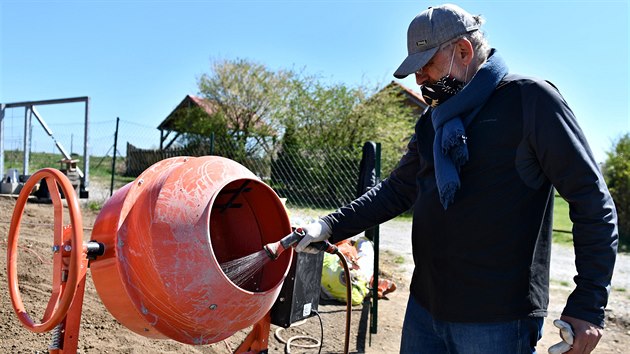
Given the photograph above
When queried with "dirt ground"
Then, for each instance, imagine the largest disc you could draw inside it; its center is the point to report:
(101, 333)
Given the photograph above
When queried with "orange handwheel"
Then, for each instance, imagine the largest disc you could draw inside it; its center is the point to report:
(67, 244)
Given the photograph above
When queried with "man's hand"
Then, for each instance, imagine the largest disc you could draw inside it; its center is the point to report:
(315, 232)
(566, 333)
(586, 335)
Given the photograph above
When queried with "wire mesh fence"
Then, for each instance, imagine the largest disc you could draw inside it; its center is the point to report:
(318, 179)
(314, 179)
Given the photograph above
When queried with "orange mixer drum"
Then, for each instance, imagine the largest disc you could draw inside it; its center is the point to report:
(167, 233)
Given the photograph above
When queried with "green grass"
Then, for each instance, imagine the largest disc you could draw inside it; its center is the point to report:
(562, 224)
(95, 206)
(395, 257)
(100, 166)
(406, 216)
(560, 282)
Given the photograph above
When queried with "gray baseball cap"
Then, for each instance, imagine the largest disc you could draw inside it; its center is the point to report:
(430, 29)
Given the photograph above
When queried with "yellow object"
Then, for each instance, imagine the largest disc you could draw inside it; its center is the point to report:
(333, 281)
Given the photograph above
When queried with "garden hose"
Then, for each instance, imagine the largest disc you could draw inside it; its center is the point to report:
(273, 250)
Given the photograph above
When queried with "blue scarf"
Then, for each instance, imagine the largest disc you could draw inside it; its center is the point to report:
(451, 118)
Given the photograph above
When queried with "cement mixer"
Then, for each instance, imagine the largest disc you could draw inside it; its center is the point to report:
(156, 252)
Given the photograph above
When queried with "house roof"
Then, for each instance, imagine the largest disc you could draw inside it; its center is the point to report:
(414, 96)
(207, 106)
(188, 102)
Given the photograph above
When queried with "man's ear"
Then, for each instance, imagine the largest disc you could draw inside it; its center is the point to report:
(465, 51)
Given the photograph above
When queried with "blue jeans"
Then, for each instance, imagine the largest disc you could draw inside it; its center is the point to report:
(422, 333)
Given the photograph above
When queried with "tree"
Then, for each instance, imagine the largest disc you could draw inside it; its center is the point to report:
(617, 175)
(248, 98)
(322, 115)
(261, 116)
(393, 124)
(325, 129)
(337, 116)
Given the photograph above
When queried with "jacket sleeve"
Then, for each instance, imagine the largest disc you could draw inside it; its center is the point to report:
(386, 200)
(567, 161)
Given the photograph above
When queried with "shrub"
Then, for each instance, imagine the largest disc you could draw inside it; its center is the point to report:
(617, 175)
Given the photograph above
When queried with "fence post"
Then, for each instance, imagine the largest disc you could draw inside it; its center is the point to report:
(2, 108)
(212, 143)
(111, 186)
(27, 140)
(376, 241)
(370, 176)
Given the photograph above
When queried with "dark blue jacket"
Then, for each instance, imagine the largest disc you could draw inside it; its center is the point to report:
(486, 258)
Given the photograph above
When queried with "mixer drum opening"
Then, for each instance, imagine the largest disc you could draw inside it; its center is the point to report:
(246, 215)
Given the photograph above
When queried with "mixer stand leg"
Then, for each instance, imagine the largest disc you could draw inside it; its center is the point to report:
(257, 341)
(68, 330)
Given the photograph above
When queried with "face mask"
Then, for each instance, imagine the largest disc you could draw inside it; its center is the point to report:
(445, 88)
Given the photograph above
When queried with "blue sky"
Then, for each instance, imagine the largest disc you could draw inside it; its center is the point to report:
(138, 59)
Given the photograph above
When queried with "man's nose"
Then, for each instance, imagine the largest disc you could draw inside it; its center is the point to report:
(421, 78)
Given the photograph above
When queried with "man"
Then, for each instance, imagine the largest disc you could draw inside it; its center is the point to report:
(480, 173)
